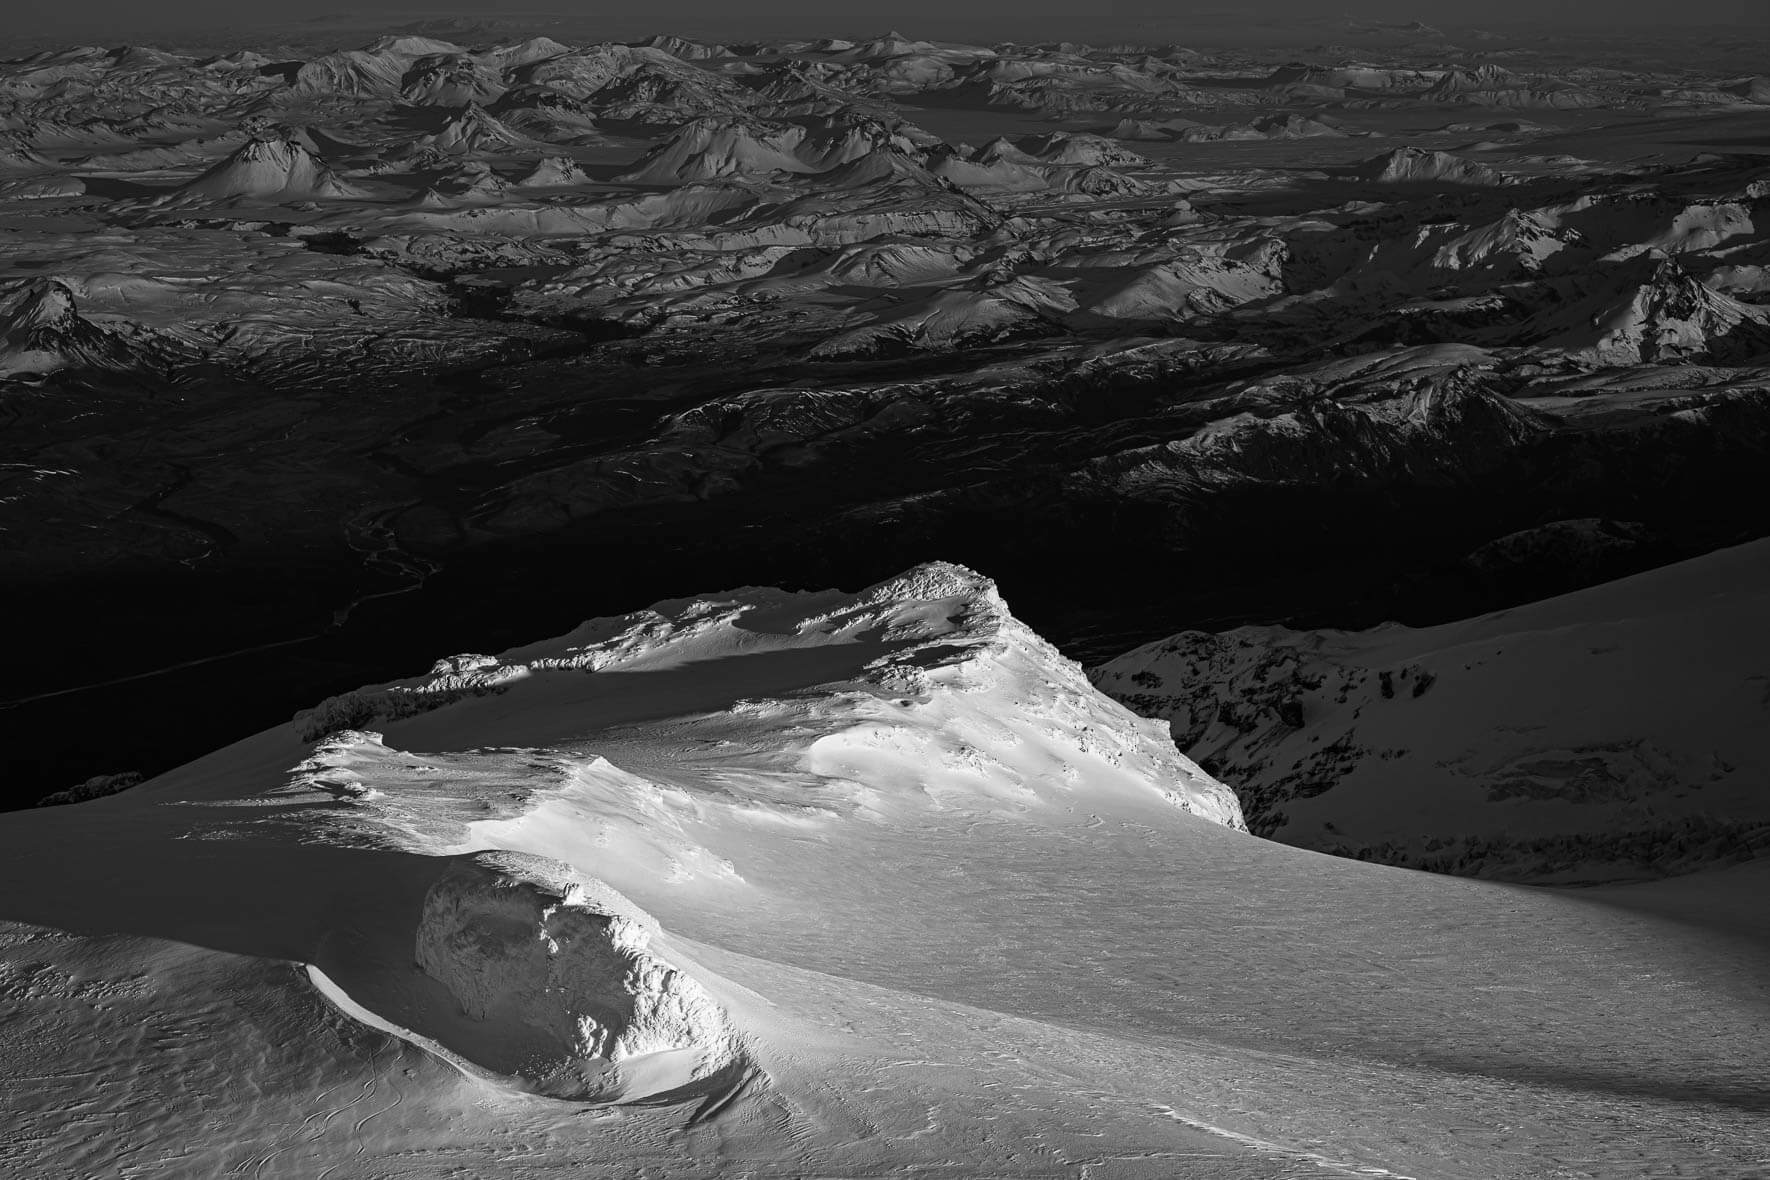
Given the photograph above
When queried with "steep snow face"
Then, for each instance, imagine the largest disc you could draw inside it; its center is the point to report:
(555, 972)
(1599, 735)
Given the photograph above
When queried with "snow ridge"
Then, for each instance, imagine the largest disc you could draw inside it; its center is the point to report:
(938, 638)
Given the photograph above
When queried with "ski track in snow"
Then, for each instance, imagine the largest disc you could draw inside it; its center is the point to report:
(1320, 1161)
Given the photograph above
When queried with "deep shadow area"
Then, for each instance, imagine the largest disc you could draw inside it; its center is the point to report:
(551, 707)
(114, 867)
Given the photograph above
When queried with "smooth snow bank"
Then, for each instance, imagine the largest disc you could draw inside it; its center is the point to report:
(556, 971)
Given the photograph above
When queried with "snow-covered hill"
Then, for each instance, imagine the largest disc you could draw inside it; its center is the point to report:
(1609, 733)
(42, 332)
(786, 885)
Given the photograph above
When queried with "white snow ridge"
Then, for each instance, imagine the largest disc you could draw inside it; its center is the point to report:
(777, 884)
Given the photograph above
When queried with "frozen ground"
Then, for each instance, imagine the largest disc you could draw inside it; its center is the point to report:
(889, 889)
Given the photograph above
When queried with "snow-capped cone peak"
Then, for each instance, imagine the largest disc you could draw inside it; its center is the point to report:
(273, 164)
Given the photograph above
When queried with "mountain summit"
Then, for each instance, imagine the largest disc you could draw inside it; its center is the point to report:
(272, 165)
(42, 332)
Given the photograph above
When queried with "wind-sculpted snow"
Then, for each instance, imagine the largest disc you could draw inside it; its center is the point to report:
(555, 973)
(802, 884)
(930, 672)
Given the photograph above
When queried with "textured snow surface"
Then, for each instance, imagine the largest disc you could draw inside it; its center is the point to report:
(783, 885)
(555, 967)
(934, 685)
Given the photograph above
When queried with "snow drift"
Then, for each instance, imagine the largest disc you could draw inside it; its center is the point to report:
(556, 972)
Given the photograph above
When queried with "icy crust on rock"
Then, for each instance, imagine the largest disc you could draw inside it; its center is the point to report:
(557, 970)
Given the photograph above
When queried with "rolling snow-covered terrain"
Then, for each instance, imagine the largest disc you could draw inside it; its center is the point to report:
(1614, 732)
(841, 885)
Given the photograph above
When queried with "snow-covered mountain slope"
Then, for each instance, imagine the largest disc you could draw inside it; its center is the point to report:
(271, 166)
(787, 885)
(944, 693)
(1608, 733)
(42, 332)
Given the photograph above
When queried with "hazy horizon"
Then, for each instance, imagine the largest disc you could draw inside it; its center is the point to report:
(104, 20)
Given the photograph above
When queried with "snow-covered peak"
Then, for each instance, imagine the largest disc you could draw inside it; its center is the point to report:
(48, 305)
(921, 687)
(271, 165)
(1412, 165)
(42, 332)
(569, 810)
(935, 580)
